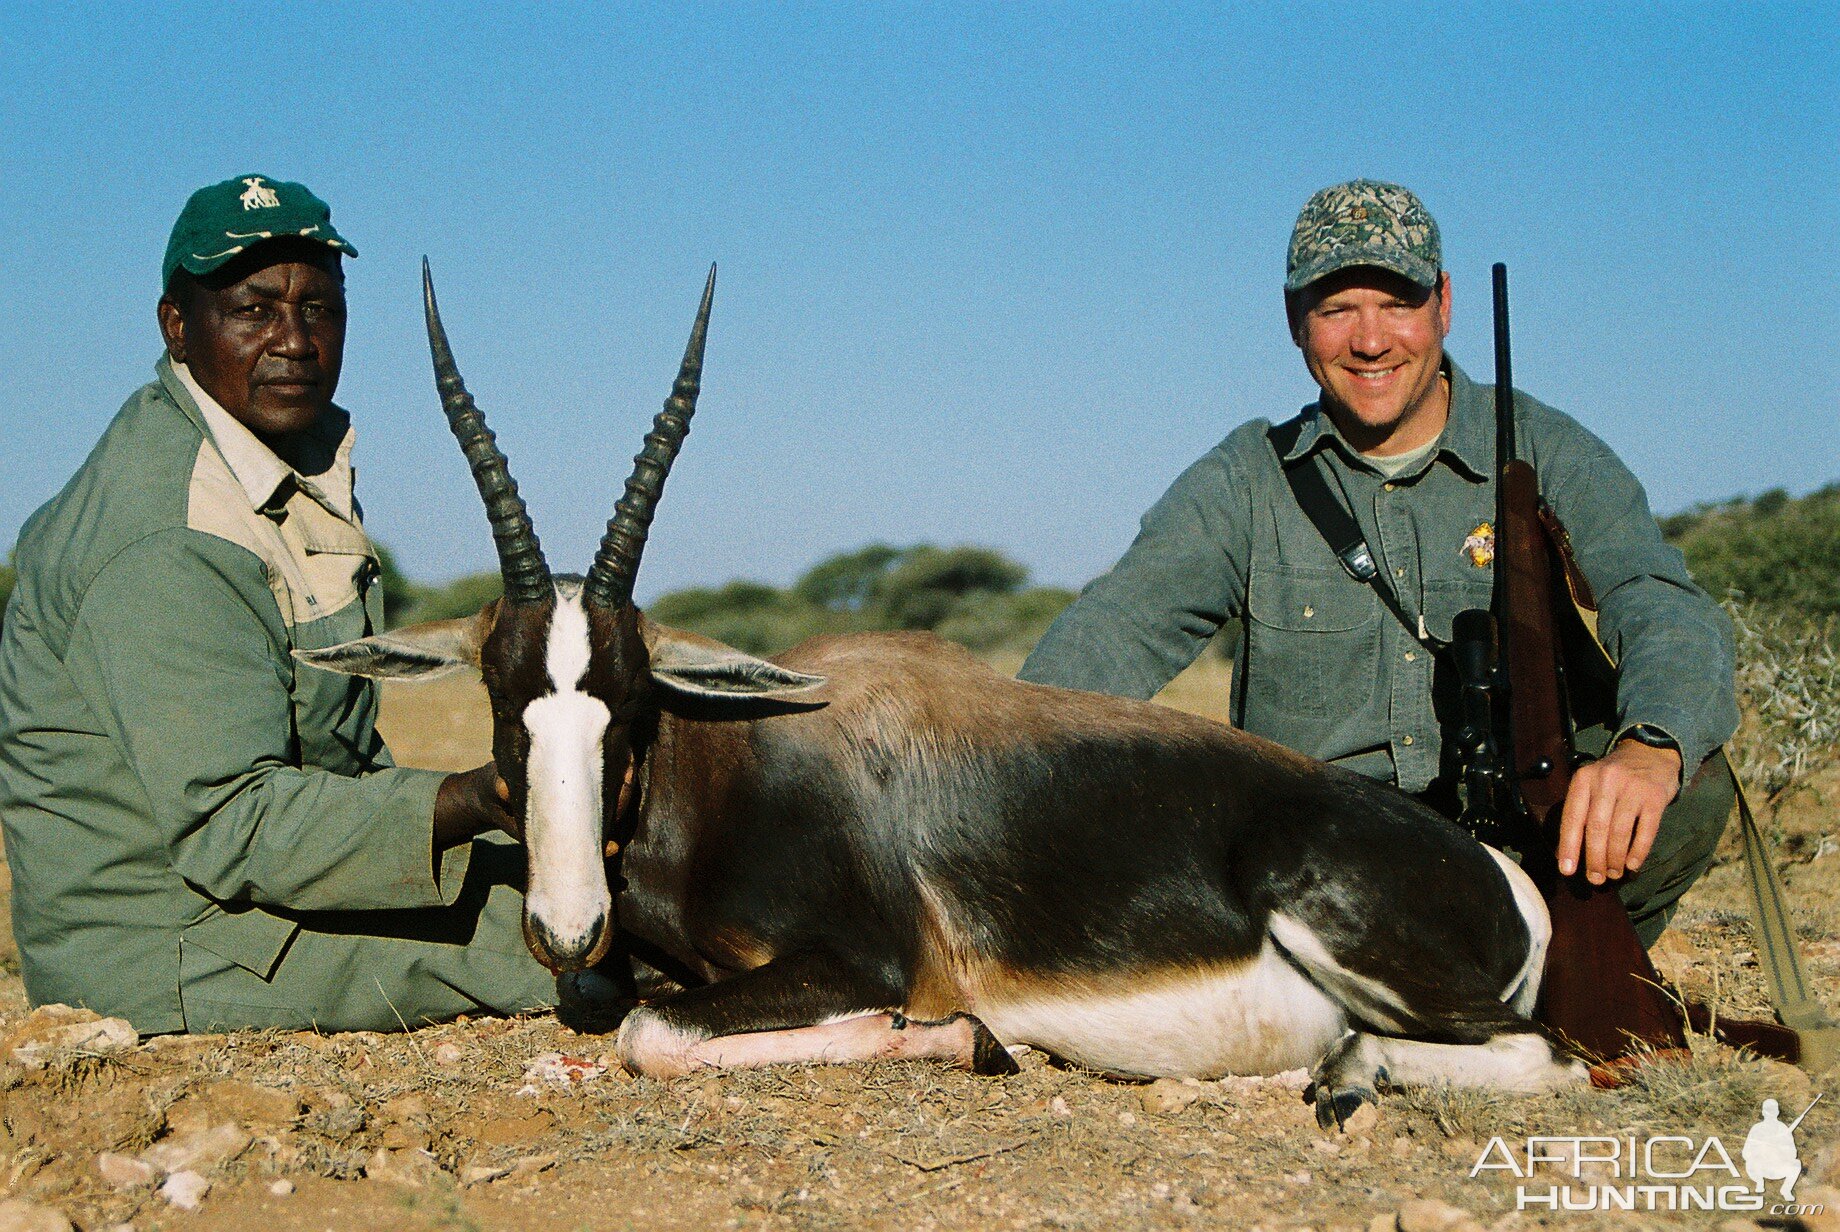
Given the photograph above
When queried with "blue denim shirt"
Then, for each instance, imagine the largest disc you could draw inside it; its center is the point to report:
(1323, 667)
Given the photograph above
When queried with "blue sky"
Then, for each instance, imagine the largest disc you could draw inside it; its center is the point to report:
(990, 273)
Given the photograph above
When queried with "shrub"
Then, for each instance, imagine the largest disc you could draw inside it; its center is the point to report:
(1789, 692)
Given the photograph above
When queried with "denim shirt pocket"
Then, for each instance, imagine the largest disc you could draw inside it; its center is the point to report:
(1313, 643)
(1444, 598)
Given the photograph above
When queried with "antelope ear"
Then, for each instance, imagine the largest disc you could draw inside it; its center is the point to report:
(700, 666)
(419, 652)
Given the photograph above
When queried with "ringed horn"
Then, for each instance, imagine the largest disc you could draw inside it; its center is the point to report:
(520, 556)
(616, 563)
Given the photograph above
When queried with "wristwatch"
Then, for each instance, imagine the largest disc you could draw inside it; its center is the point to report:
(1653, 737)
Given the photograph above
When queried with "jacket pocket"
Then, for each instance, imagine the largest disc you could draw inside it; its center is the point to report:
(1445, 598)
(245, 935)
(1313, 643)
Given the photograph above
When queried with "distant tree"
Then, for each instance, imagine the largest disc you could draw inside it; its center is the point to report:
(750, 616)
(930, 583)
(400, 595)
(847, 582)
(461, 597)
(7, 577)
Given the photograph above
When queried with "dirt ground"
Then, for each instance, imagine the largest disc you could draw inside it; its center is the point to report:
(481, 1125)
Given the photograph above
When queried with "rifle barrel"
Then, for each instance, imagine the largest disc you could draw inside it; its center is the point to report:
(1504, 373)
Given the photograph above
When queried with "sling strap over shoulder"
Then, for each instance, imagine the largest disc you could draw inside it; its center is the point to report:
(1336, 524)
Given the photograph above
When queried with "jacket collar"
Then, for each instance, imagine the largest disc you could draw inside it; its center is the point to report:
(1468, 441)
(319, 465)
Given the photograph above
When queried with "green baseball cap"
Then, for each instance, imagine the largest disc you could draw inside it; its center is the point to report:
(220, 222)
(1364, 222)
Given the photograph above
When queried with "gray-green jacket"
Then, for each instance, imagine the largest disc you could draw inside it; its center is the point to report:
(170, 777)
(1323, 668)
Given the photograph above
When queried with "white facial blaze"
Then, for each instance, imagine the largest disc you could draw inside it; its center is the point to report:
(568, 892)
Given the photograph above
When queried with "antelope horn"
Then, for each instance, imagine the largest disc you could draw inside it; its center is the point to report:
(520, 556)
(616, 562)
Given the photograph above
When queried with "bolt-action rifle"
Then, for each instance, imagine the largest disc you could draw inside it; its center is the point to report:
(1600, 990)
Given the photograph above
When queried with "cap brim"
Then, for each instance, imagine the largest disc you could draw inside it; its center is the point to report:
(1419, 273)
(229, 247)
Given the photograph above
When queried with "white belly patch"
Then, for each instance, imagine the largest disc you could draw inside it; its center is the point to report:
(1256, 1017)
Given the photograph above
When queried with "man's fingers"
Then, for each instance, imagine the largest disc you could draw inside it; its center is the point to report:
(1646, 829)
(1572, 820)
(1597, 833)
(1624, 815)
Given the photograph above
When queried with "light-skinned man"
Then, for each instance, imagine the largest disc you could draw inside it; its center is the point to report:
(1354, 672)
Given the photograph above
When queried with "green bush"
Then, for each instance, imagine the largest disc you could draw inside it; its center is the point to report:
(461, 597)
(1773, 549)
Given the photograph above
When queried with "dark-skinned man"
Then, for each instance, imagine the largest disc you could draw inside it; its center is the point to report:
(203, 832)
(1349, 671)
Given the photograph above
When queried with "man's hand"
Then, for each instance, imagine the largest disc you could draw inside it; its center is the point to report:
(469, 804)
(1613, 810)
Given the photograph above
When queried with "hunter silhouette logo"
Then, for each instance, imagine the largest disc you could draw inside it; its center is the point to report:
(1769, 1149)
(257, 195)
(1660, 1172)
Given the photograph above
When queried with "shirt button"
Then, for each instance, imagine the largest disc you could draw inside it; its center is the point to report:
(1405, 740)
(1386, 487)
(1411, 656)
(1399, 572)
(1308, 611)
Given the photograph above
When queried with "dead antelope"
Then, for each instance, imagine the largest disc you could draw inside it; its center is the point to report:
(874, 846)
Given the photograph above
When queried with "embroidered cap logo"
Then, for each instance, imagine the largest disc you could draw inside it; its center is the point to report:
(258, 196)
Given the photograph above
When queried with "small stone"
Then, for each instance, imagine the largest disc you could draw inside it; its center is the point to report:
(530, 1165)
(1362, 1121)
(411, 1168)
(281, 1188)
(256, 1106)
(18, 1215)
(1327, 1146)
(447, 1054)
(124, 1172)
(185, 1190)
(480, 1174)
(53, 1031)
(1383, 1223)
(1127, 1119)
(1430, 1215)
(1058, 1107)
(198, 1150)
(1166, 1096)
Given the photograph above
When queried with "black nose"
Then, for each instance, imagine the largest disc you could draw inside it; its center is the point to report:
(560, 957)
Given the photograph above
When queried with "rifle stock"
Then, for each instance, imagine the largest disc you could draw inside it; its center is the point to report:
(1600, 990)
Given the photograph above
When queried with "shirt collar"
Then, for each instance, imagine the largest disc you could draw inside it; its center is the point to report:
(262, 472)
(1468, 439)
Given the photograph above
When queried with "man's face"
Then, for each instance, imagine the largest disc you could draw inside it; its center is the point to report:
(267, 338)
(1374, 342)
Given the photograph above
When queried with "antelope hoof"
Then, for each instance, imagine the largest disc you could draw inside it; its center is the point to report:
(1334, 1105)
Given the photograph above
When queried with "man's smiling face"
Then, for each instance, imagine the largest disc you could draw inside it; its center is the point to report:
(265, 336)
(1374, 341)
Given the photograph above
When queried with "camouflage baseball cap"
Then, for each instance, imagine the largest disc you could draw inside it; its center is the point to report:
(220, 221)
(1363, 222)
